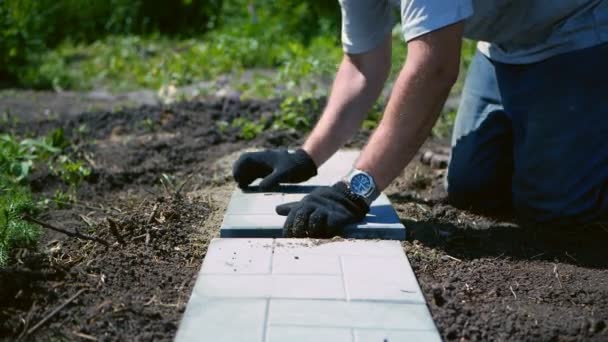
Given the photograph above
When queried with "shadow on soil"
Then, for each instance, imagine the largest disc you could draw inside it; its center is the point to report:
(580, 246)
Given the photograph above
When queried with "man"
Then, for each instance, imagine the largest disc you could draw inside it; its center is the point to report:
(531, 131)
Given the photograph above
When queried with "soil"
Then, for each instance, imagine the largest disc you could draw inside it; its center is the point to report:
(484, 277)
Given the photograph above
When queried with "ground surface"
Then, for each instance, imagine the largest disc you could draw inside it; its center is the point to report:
(484, 278)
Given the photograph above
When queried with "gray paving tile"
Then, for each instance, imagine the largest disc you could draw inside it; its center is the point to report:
(223, 320)
(305, 290)
(396, 336)
(238, 256)
(252, 226)
(316, 334)
(339, 248)
(252, 214)
(271, 286)
(335, 168)
(296, 260)
(342, 314)
(258, 204)
(380, 278)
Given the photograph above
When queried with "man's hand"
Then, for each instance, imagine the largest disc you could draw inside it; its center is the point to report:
(275, 166)
(323, 213)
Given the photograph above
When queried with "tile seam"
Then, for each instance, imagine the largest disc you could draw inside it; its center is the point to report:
(346, 295)
(349, 327)
(266, 321)
(377, 301)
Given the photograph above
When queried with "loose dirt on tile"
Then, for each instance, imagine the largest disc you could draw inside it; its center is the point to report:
(484, 277)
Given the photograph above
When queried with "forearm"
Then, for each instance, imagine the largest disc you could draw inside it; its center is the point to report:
(358, 83)
(413, 109)
(415, 103)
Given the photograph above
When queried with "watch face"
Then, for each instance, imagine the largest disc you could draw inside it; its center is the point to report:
(361, 184)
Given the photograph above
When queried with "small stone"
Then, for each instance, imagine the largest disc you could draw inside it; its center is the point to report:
(426, 157)
(439, 161)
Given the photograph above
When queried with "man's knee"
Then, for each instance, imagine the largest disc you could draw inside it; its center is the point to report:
(580, 205)
(476, 189)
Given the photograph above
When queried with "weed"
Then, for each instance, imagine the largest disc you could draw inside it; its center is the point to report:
(291, 113)
(444, 125)
(61, 199)
(148, 124)
(247, 129)
(18, 158)
(15, 201)
(373, 117)
(71, 172)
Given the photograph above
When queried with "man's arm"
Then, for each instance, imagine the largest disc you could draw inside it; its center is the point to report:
(358, 84)
(416, 101)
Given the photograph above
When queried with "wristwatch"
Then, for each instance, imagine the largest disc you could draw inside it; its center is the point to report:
(362, 184)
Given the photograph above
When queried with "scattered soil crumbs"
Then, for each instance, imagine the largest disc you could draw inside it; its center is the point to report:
(487, 278)
(484, 277)
(135, 289)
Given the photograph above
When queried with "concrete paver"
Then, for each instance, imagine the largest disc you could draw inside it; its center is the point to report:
(306, 290)
(252, 214)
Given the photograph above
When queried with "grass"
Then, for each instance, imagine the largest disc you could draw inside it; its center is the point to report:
(122, 63)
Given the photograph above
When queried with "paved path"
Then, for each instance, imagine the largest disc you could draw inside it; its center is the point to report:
(299, 290)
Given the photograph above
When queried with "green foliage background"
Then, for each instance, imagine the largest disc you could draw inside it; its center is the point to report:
(32, 30)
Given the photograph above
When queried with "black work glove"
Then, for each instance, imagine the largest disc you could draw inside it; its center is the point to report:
(323, 213)
(275, 166)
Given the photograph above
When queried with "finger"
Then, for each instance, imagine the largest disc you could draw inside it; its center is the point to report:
(288, 225)
(248, 168)
(272, 181)
(317, 223)
(299, 226)
(284, 209)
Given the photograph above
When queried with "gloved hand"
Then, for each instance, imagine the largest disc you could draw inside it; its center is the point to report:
(275, 166)
(323, 213)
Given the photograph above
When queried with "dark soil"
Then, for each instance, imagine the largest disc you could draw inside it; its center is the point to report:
(485, 278)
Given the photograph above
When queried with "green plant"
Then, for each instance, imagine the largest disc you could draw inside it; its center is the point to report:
(444, 125)
(15, 232)
(62, 199)
(148, 124)
(248, 129)
(373, 117)
(18, 157)
(71, 172)
(292, 114)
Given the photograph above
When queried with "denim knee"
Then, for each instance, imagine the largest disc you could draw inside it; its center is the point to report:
(468, 188)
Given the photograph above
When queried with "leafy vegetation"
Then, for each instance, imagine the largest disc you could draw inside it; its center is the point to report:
(18, 158)
(124, 45)
(243, 32)
(15, 200)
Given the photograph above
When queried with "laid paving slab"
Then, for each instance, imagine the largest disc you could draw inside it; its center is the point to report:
(251, 213)
(306, 290)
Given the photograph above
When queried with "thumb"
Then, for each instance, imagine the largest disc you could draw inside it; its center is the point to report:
(284, 209)
(271, 181)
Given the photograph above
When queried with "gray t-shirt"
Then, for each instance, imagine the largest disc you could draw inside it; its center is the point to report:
(509, 31)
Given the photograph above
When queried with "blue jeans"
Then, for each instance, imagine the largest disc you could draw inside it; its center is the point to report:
(534, 137)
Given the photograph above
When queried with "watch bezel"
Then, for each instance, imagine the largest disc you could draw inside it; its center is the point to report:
(373, 192)
(359, 175)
